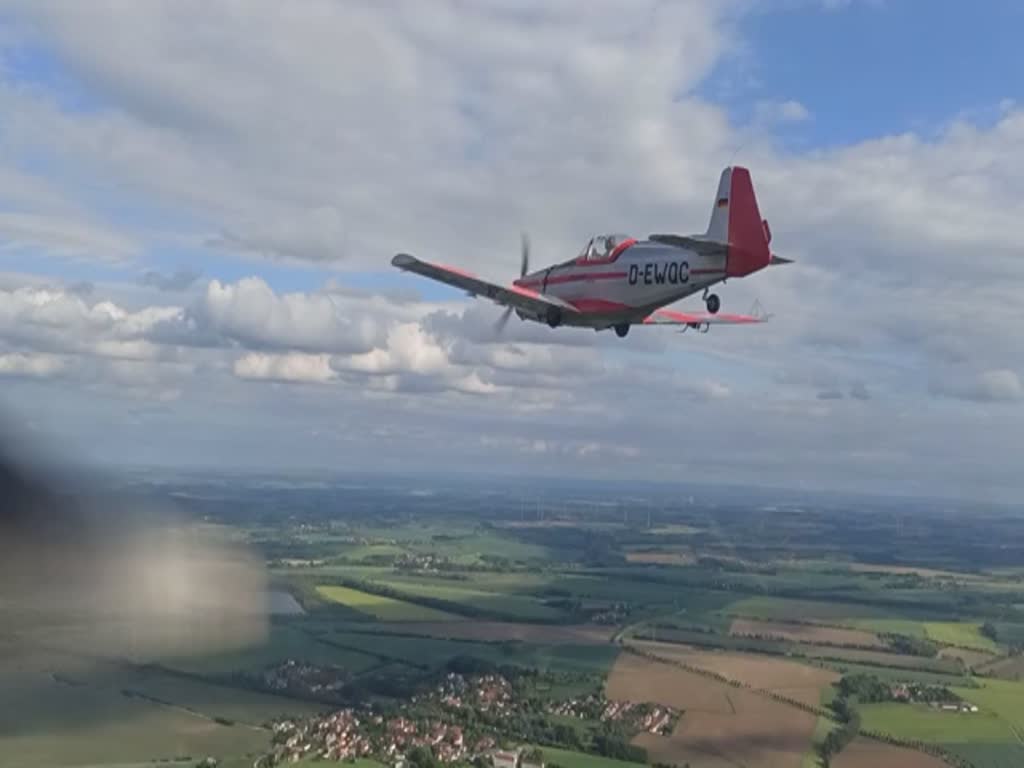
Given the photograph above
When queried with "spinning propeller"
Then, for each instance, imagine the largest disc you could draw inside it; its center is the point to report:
(524, 267)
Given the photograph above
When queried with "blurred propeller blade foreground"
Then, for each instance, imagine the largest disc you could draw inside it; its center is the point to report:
(114, 574)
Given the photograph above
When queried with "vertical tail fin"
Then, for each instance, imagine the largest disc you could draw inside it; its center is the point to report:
(718, 228)
(736, 220)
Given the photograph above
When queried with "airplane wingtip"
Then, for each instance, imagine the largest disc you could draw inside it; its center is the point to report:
(402, 260)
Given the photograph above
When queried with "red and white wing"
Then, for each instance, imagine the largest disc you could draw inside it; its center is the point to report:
(531, 302)
(672, 317)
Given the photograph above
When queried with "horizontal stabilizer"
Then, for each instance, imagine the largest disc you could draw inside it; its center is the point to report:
(777, 260)
(696, 244)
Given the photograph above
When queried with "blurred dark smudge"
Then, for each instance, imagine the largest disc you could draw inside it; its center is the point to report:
(95, 572)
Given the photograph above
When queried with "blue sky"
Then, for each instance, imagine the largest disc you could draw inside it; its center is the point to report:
(866, 69)
(885, 141)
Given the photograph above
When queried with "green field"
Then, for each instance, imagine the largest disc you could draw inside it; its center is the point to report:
(919, 721)
(46, 723)
(786, 609)
(960, 633)
(990, 755)
(437, 651)
(893, 675)
(567, 759)
(500, 582)
(241, 706)
(513, 606)
(1002, 697)
(283, 642)
(989, 738)
(461, 543)
(380, 607)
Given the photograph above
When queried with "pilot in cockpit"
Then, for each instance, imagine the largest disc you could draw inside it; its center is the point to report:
(602, 247)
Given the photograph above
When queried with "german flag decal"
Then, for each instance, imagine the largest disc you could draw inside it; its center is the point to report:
(723, 201)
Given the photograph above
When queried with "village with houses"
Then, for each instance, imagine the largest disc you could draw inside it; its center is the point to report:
(462, 720)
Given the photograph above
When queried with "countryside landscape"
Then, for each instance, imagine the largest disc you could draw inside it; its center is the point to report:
(510, 622)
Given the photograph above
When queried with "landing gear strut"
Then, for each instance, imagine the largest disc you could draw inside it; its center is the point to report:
(712, 302)
(553, 317)
(621, 330)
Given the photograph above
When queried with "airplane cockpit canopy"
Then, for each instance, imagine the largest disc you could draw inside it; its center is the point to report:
(602, 246)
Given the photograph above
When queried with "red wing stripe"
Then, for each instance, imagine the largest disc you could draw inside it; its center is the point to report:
(598, 305)
(523, 291)
(556, 279)
(679, 317)
(456, 271)
(686, 317)
(737, 318)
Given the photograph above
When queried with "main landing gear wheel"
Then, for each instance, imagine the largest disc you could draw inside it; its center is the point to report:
(621, 330)
(553, 317)
(713, 303)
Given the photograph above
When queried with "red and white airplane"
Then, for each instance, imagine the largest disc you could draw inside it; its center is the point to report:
(618, 281)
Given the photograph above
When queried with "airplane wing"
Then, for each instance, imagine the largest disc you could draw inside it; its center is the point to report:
(697, 319)
(529, 301)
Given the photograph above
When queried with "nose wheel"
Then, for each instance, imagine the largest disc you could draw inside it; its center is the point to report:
(553, 317)
(621, 330)
(713, 303)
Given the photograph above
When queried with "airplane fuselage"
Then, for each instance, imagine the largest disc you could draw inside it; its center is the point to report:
(627, 286)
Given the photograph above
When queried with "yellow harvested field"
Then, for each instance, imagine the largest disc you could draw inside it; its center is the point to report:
(805, 633)
(800, 682)
(661, 557)
(721, 725)
(381, 607)
(575, 634)
(865, 753)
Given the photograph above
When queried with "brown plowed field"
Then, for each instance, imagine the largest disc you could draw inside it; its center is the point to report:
(800, 682)
(1011, 668)
(721, 725)
(968, 657)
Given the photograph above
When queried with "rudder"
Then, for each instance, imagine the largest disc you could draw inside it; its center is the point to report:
(736, 220)
(748, 232)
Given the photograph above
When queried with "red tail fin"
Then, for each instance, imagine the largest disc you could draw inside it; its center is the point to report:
(748, 234)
